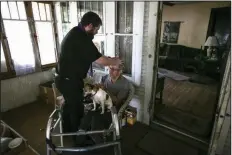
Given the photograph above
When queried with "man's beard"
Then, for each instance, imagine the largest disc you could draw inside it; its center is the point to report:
(90, 34)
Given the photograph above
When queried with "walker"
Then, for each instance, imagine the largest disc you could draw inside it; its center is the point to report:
(52, 124)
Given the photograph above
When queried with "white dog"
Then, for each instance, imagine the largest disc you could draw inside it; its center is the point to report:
(99, 96)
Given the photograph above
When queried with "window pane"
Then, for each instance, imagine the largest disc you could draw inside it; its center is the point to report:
(124, 17)
(87, 6)
(65, 12)
(35, 9)
(5, 10)
(48, 11)
(123, 49)
(3, 61)
(22, 11)
(20, 45)
(65, 28)
(46, 42)
(100, 46)
(42, 11)
(13, 10)
(97, 7)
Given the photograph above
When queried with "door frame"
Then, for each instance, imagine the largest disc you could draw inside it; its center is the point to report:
(155, 12)
(222, 115)
(152, 68)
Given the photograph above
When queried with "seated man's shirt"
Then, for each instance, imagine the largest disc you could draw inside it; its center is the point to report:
(120, 89)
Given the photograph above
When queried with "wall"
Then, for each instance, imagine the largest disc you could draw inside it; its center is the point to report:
(195, 19)
(18, 91)
(140, 91)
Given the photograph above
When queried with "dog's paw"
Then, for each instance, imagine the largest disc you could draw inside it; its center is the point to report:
(102, 113)
(93, 110)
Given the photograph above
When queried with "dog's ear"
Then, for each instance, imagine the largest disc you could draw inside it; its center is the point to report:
(88, 85)
(91, 86)
(95, 88)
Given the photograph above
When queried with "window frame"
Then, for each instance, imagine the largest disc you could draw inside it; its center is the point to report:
(74, 22)
(138, 18)
(11, 73)
(5, 48)
(54, 33)
(30, 20)
(109, 12)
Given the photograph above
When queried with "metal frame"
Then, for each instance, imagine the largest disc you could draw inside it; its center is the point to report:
(115, 130)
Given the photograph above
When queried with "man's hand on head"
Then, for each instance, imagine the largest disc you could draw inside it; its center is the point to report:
(118, 61)
(108, 61)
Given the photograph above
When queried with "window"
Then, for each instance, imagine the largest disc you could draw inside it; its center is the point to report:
(19, 40)
(45, 33)
(3, 61)
(99, 43)
(124, 34)
(94, 6)
(124, 29)
(65, 17)
(120, 35)
(99, 39)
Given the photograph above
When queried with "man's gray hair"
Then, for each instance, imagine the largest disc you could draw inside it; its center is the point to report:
(121, 66)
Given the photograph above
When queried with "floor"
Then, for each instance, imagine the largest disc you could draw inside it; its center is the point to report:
(30, 121)
(188, 105)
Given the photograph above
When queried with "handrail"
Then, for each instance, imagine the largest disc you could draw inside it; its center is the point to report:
(80, 133)
(88, 148)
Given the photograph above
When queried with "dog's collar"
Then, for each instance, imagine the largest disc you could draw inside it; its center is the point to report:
(94, 94)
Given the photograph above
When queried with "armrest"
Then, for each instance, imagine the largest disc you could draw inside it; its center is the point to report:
(126, 103)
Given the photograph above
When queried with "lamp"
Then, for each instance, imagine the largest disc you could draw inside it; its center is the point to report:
(211, 42)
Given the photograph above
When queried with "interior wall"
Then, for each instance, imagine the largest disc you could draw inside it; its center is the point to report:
(195, 19)
(18, 91)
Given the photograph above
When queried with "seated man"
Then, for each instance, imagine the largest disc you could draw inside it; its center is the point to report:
(118, 88)
(117, 85)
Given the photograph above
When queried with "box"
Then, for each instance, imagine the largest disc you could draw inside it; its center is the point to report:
(46, 93)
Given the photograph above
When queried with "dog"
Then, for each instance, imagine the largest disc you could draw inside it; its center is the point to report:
(99, 96)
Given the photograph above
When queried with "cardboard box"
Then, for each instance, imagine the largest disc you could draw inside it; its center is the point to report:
(46, 92)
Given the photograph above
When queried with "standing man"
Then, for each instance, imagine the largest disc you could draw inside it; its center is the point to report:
(77, 53)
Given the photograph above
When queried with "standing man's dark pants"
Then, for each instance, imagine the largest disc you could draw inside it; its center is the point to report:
(73, 109)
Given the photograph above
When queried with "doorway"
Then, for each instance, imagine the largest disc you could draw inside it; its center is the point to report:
(188, 84)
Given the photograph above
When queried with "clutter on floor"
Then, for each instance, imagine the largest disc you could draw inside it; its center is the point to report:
(11, 142)
(173, 75)
(129, 116)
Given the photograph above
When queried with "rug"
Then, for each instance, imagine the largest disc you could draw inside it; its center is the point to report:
(172, 75)
(186, 121)
(154, 143)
